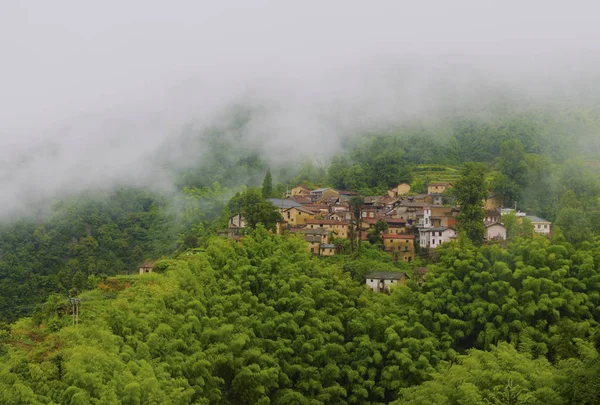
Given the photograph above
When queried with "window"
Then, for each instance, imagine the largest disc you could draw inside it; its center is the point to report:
(312, 250)
(371, 280)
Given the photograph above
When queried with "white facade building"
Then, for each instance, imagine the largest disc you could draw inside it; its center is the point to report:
(431, 237)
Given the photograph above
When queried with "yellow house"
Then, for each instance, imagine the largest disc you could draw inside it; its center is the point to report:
(297, 215)
(300, 191)
(400, 189)
(338, 216)
(326, 249)
(340, 228)
(438, 188)
(323, 193)
(146, 268)
(396, 226)
(404, 244)
(493, 202)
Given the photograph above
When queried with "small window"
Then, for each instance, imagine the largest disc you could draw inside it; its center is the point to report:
(371, 280)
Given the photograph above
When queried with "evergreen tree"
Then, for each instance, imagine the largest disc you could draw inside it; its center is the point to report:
(470, 192)
(267, 185)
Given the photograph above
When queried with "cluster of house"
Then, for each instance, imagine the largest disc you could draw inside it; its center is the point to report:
(323, 215)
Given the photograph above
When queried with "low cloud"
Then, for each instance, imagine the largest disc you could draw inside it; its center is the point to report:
(101, 96)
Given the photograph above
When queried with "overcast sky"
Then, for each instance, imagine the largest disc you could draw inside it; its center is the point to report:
(88, 89)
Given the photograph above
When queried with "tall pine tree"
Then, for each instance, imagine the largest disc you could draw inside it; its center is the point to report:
(267, 186)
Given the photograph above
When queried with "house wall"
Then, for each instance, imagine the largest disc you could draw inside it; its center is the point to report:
(375, 284)
(313, 248)
(436, 189)
(543, 228)
(300, 192)
(296, 217)
(493, 203)
(435, 239)
(403, 188)
(399, 245)
(496, 232)
(396, 230)
(237, 221)
(327, 251)
(340, 229)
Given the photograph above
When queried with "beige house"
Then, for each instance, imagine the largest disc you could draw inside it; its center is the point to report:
(381, 281)
(297, 216)
(438, 188)
(339, 228)
(146, 268)
(405, 244)
(400, 189)
(540, 225)
(396, 226)
(300, 191)
(326, 249)
(493, 202)
(495, 231)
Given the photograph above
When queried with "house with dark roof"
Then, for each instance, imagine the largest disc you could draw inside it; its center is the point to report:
(540, 225)
(400, 244)
(382, 281)
(339, 228)
(321, 193)
(146, 268)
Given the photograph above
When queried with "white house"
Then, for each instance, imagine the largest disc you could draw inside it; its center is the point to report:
(236, 221)
(495, 231)
(540, 225)
(431, 237)
(381, 281)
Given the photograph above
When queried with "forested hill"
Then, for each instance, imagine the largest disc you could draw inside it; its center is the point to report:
(544, 160)
(262, 322)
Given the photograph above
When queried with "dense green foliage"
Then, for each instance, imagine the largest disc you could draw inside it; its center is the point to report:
(99, 235)
(262, 322)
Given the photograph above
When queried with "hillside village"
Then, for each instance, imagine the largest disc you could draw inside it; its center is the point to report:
(407, 224)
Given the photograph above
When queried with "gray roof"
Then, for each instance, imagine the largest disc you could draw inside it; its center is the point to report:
(283, 203)
(320, 190)
(533, 218)
(327, 246)
(385, 275)
(436, 229)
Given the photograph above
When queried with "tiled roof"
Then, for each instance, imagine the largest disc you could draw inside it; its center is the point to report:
(302, 209)
(396, 236)
(385, 275)
(325, 222)
(533, 218)
(437, 229)
(283, 203)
